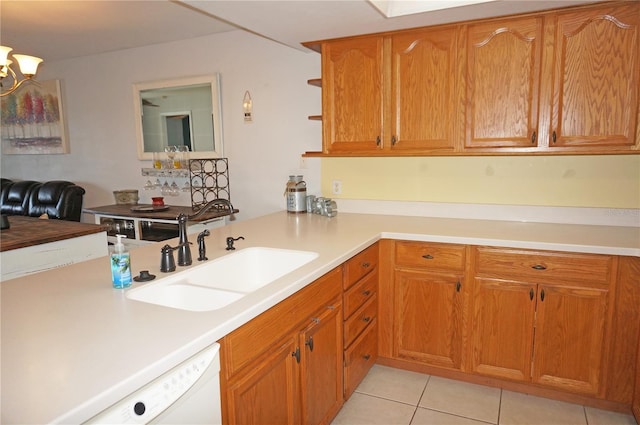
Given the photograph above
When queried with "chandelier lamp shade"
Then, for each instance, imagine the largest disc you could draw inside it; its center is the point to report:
(28, 67)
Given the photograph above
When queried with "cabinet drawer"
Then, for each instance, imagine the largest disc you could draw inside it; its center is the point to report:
(360, 320)
(360, 293)
(359, 265)
(255, 337)
(431, 256)
(359, 358)
(543, 266)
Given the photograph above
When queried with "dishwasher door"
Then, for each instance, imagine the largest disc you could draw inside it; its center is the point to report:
(187, 394)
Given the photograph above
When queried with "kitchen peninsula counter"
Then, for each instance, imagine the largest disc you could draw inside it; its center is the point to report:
(73, 346)
(29, 231)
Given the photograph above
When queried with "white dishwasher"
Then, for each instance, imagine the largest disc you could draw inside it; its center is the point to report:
(187, 394)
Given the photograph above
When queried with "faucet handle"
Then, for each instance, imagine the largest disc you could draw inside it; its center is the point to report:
(167, 263)
(230, 241)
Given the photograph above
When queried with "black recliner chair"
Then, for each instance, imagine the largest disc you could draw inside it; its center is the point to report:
(58, 199)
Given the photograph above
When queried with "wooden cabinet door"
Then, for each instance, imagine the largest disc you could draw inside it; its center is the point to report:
(428, 318)
(569, 341)
(352, 95)
(502, 330)
(423, 90)
(269, 391)
(503, 82)
(321, 343)
(597, 77)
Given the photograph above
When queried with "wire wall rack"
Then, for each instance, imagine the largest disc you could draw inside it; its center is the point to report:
(209, 179)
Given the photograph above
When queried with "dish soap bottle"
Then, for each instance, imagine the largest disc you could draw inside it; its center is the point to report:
(120, 265)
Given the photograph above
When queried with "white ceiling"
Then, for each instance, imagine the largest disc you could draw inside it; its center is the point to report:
(55, 30)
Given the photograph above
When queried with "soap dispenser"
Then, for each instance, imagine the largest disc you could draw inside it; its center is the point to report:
(120, 265)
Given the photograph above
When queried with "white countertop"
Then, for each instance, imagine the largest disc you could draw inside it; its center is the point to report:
(72, 346)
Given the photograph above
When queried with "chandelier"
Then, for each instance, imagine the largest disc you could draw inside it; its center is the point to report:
(28, 67)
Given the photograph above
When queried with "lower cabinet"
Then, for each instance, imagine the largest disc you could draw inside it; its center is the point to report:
(540, 317)
(428, 303)
(299, 378)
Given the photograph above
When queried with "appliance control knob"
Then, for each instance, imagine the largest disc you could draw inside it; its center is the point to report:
(139, 408)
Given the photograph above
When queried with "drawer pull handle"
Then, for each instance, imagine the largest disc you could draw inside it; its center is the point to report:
(366, 265)
(539, 267)
(366, 293)
(366, 319)
(428, 256)
(309, 343)
(366, 356)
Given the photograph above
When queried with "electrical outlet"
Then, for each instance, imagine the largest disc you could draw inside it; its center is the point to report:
(336, 187)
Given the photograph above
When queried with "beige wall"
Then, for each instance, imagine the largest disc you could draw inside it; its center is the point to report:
(571, 181)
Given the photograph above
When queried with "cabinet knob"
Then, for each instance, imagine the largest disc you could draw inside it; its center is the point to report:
(366, 319)
(542, 295)
(309, 343)
(394, 140)
(296, 354)
(366, 293)
(428, 256)
(458, 286)
(378, 141)
(553, 136)
(531, 294)
(366, 265)
(366, 356)
(534, 136)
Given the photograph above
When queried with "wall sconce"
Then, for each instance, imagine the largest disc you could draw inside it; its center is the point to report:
(28, 67)
(247, 106)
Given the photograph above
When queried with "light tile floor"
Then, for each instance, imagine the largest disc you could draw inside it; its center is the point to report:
(389, 396)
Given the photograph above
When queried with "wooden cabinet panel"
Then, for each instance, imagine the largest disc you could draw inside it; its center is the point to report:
(360, 293)
(270, 388)
(359, 358)
(544, 266)
(287, 382)
(423, 89)
(352, 94)
(354, 325)
(502, 331)
(503, 83)
(569, 339)
(359, 265)
(428, 318)
(322, 367)
(430, 256)
(251, 340)
(597, 77)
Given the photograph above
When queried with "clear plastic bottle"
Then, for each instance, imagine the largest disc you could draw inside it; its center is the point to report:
(120, 265)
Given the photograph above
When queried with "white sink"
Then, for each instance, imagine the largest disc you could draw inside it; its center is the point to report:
(220, 282)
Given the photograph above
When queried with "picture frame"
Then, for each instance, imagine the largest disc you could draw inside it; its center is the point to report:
(32, 120)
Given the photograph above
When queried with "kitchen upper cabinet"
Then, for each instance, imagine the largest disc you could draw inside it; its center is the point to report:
(540, 316)
(597, 78)
(504, 62)
(396, 93)
(352, 95)
(424, 90)
(563, 81)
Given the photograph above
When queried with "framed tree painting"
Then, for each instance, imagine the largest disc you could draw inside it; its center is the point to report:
(33, 121)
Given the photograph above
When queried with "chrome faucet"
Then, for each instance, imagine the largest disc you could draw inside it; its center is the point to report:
(211, 204)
